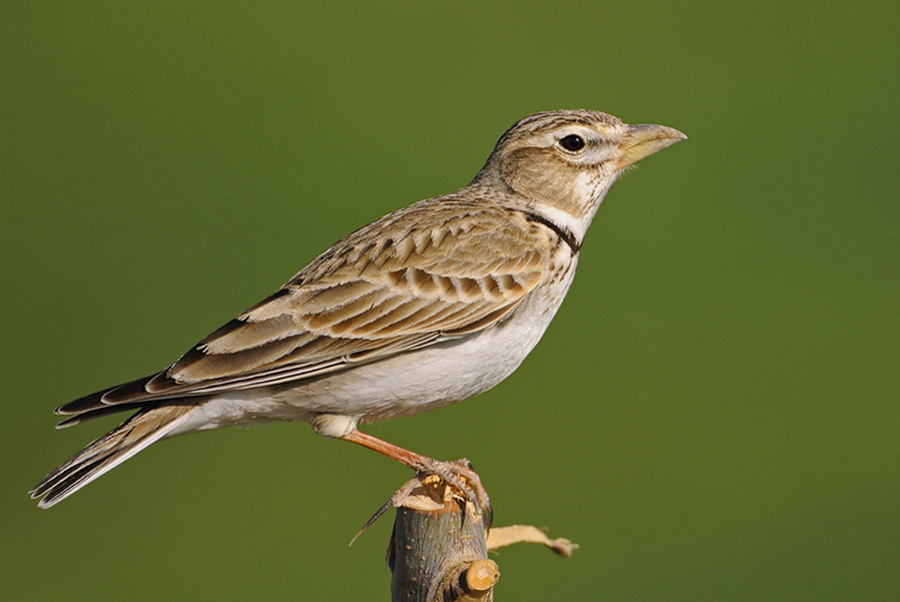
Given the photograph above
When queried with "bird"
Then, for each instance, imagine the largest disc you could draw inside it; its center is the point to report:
(432, 304)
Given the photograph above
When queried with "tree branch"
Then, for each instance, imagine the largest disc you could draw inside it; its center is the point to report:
(438, 550)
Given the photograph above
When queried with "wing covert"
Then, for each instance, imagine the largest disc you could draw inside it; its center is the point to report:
(438, 270)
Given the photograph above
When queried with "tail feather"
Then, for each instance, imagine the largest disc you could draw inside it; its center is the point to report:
(146, 427)
(97, 413)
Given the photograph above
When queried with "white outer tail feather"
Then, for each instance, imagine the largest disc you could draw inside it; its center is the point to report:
(135, 434)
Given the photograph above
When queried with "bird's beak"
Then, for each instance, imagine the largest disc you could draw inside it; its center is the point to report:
(645, 139)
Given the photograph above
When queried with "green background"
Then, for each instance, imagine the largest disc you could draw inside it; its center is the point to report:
(713, 414)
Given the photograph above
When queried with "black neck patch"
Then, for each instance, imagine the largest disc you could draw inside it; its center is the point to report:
(563, 233)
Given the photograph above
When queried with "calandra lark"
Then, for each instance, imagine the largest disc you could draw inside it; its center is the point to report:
(425, 307)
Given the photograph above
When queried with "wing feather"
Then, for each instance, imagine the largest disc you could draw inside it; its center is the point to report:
(437, 270)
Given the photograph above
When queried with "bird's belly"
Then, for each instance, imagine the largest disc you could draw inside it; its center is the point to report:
(424, 380)
(406, 384)
(402, 385)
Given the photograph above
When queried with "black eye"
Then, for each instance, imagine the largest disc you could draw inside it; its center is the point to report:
(572, 142)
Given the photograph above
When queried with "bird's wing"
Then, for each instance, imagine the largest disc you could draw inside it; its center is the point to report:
(432, 272)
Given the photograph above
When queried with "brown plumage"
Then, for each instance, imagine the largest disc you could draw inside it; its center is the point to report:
(426, 306)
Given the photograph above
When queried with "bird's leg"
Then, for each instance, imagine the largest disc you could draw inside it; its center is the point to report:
(458, 475)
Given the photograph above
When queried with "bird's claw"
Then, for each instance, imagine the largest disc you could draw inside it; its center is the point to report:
(464, 481)
(459, 476)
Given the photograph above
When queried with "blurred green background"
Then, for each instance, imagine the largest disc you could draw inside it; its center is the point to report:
(713, 414)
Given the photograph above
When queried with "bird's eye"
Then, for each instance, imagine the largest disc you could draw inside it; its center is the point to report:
(572, 142)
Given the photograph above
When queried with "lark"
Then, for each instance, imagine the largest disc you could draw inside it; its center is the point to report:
(425, 307)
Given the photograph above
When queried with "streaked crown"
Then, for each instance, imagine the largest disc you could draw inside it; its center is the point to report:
(560, 164)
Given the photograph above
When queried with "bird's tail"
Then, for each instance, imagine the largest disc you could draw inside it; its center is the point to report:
(146, 427)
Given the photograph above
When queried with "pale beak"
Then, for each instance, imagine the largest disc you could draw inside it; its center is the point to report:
(645, 139)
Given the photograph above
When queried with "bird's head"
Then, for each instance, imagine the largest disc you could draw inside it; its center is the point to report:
(561, 163)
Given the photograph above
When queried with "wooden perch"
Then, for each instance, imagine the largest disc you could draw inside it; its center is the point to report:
(438, 550)
(438, 538)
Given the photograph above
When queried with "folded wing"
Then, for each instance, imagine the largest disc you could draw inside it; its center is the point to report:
(412, 279)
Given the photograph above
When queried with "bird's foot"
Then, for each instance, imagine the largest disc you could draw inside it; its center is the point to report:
(459, 475)
(436, 477)
(462, 478)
